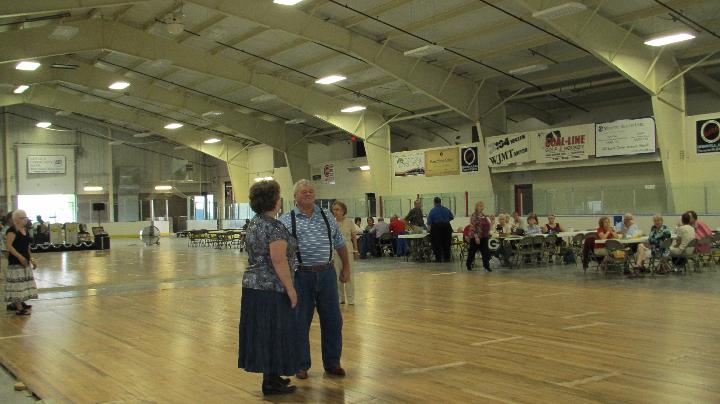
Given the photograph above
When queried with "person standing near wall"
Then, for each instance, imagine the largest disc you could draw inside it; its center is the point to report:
(315, 282)
(479, 237)
(414, 218)
(347, 229)
(438, 221)
(19, 280)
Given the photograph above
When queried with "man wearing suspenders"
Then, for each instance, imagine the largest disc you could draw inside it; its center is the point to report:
(317, 234)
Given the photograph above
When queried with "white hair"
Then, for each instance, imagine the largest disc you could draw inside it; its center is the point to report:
(628, 216)
(18, 214)
(302, 183)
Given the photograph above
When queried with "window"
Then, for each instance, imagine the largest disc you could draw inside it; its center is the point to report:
(59, 208)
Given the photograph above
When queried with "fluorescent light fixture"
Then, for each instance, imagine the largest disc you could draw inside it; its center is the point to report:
(212, 140)
(287, 2)
(295, 121)
(423, 51)
(63, 113)
(20, 89)
(258, 179)
(668, 39)
(180, 147)
(119, 85)
(66, 66)
(263, 98)
(163, 187)
(173, 125)
(43, 125)
(562, 10)
(211, 114)
(115, 142)
(143, 134)
(64, 33)
(528, 69)
(92, 189)
(28, 66)
(334, 78)
(354, 108)
(365, 168)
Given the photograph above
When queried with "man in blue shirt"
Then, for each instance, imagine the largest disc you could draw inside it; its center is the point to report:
(438, 221)
(317, 234)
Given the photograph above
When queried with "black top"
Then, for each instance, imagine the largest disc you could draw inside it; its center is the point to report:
(21, 244)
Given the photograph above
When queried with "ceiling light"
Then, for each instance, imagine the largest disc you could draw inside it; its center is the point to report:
(211, 114)
(163, 187)
(43, 125)
(423, 51)
(29, 66)
(212, 140)
(365, 168)
(63, 113)
(173, 125)
(668, 39)
(334, 78)
(92, 189)
(119, 85)
(64, 33)
(287, 2)
(20, 89)
(562, 10)
(143, 134)
(528, 69)
(115, 142)
(268, 118)
(295, 121)
(263, 98)
(64, 66)
(354, 108)
(258, 179)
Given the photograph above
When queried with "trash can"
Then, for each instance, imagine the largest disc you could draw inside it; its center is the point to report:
(102, 242)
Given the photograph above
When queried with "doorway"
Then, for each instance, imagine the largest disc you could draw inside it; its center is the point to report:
(523, 199)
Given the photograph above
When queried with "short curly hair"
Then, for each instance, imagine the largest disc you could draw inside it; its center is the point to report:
(264, 195)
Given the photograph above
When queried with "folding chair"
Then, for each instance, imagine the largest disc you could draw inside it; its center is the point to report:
(550, 248)
(618, 256)
(660, 258)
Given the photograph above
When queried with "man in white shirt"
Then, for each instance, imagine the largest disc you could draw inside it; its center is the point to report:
(627, 227)
(380, 228)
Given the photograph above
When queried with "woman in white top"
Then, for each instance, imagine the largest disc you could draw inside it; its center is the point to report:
(347, 228)
(685, 234)
(503, 227)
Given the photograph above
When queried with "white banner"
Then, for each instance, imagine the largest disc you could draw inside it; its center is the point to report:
(46, 164)
(624, 137)
(565, 144)
(504, 150)
(409, 163)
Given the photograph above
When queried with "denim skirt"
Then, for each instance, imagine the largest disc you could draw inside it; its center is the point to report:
(269, 339)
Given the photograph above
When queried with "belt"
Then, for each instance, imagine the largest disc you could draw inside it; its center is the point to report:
(315, 268)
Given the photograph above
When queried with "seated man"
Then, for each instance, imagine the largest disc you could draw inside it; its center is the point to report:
(397, 227)
(366, 241)
(378, 230)
(627, 228)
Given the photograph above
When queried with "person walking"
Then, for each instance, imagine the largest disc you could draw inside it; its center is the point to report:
(318, 235)
(269, 342)
(19, 280)
(349, 233)
(438, 221)
(480, 237)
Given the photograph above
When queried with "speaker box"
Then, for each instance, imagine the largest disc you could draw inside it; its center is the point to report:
(98, 206)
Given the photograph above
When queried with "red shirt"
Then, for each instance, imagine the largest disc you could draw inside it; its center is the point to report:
(397, 227)
(600, 231)
(480, 225)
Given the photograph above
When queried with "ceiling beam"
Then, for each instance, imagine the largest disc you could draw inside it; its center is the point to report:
(462, 95)
(15, 8)
(705, 80)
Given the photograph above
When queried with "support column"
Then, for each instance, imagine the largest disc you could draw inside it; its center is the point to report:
(669, 112)
(238, 171)
(297, 161)
(484, 184)
(7, 154)
(110, 180)
(376, 135)
(221, 200)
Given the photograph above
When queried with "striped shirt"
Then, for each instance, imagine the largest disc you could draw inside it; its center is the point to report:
(312, 236)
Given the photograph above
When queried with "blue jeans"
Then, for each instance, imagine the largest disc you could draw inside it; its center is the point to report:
(366, 244)
(401, 247)
(319, 289)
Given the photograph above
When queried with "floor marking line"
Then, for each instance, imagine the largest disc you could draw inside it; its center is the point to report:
(553, 294)
(19, 336)
(575, 327)
(488, 396)
(587, 313)
(501, 283)
(432, 368)
(492, 341)
(590, 379)
(444, 273)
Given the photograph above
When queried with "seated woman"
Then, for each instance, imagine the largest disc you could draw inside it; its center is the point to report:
(516, 224)
(533, 228)
(503, 227)
(605, 231)
(685, 234)
(366, 241)
(658, 233)
(701, 230)
(552, 227)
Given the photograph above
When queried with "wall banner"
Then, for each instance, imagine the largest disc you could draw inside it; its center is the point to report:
(46, 164)
(504, 150)
(442, 162)
(565, 144)
(409, 163)
(625, 137)
(707, 133)
(469, 160)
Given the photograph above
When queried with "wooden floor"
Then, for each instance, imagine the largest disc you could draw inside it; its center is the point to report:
(416, 334)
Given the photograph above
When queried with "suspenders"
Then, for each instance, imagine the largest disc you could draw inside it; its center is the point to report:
(327, 225)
